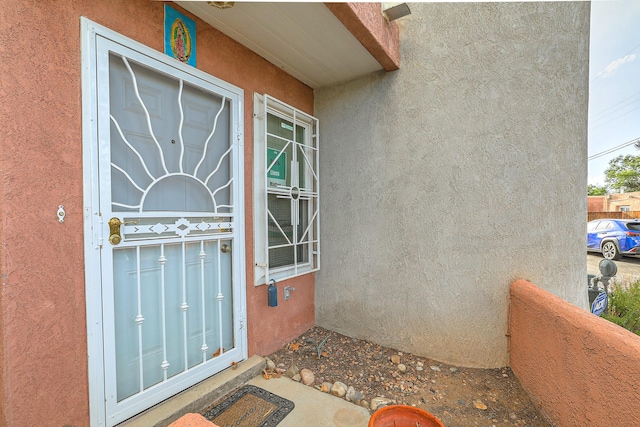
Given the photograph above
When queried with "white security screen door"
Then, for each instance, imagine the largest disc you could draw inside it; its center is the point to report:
(169, 233)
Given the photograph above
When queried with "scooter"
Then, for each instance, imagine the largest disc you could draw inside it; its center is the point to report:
(599, 298)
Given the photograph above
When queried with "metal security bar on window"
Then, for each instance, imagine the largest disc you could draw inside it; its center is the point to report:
(290, 178)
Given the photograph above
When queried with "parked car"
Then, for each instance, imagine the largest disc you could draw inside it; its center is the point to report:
(614, 237)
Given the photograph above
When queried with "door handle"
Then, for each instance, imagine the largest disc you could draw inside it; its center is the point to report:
(114, 230)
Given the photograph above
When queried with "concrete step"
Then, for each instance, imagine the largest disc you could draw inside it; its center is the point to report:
(198, 397)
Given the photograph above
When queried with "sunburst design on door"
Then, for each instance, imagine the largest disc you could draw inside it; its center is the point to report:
(150, 171)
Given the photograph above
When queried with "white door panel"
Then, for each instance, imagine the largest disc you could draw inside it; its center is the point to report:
(171, 286)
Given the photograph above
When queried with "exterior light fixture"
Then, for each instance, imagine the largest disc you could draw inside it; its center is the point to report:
(222, 5)
(398, 10)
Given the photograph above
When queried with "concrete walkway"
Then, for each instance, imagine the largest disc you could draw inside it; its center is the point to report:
(313, 408)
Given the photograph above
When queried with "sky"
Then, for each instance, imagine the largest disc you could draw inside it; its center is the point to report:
(614, 82)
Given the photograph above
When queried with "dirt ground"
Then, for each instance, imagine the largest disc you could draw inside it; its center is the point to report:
(460, 397)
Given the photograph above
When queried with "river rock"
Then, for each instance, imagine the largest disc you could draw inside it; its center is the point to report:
(292, 371)
(402, 367)
(326, 387)
(339, 389)
(270, 364)
(307, 377)
(480, 405)
(395, 359)
(378, 402)
(353, 395)
(349, 394)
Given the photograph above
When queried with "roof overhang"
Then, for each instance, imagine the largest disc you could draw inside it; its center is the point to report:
(319, 44)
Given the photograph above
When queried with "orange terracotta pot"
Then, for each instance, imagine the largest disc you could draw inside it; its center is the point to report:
(403, 416)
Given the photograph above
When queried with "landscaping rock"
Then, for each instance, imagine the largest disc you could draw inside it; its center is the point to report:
(339, 389)
(402, 367)
(349, 394)
(367, 367)
(395, 359)
(307, 377)
(292, 371)
(353, 395)
(326, 387)
(478, 404)
(378, 402)
(270, 364)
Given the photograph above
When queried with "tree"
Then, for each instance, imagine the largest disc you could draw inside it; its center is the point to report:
(596, 190)
(623, 171)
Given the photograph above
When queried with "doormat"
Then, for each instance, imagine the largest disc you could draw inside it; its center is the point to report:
(250, 406)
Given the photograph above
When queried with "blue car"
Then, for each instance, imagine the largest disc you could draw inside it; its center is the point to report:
(614, 237)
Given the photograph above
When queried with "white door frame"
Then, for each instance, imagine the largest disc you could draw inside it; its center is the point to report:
(94, 224)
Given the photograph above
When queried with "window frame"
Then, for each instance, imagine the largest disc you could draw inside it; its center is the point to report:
(265, 105)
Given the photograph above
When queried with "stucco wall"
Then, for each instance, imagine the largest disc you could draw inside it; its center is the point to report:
(43, 351)
(613, 202)
(444, 181)
(595, 203)
(579, 369)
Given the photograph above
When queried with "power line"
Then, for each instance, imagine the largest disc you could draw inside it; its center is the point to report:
(604, 111)
(614, 118)
(611, 150)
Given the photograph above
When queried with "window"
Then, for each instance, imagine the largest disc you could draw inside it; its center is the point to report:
(635, 226)
(286, 196)
(604, 225)
(591, 226)
(624, 208)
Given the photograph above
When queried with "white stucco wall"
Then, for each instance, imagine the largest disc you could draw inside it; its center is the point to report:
(443, 182)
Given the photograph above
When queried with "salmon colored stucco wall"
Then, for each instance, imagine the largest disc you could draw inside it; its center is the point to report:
(43, 352)
(595, 203)
(578, 368)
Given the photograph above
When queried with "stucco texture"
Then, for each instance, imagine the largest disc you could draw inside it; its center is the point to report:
(579, 369)
(43, 352)
(444, 181)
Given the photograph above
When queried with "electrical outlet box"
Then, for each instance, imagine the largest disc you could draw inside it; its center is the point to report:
(287, 292)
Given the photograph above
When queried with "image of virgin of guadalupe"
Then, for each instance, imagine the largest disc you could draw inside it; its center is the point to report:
(180, 41)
